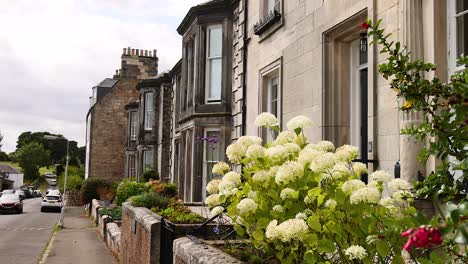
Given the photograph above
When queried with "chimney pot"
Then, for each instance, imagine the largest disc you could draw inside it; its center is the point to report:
(133, 51)
(154, 53)
(150, 54)
(137, 52)
(124, 51)
(128, 50)
(146, 53)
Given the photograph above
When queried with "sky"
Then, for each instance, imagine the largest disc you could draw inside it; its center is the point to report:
(52, 52)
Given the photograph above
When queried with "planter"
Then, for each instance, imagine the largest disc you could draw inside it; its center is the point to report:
(171, 231)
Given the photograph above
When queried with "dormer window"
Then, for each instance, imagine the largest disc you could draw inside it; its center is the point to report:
(214, 63)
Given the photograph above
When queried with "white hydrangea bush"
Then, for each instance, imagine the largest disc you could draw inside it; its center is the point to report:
(305, 202)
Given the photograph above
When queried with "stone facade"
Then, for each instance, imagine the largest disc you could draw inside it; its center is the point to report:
(107, 117)
(311, 49)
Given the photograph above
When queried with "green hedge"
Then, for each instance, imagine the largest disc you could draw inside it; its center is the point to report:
(74, 183)
(90, 186)
(128, 189)
(149, 200)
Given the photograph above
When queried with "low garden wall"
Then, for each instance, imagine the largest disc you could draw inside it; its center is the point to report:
(188, 252)
(113, 239)
(74, 198)
(140, 238)
(102, 225)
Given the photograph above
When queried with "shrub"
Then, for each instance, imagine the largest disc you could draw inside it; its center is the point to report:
(128, 189)
(73, 183)
(89, 188)
(178, 213)
(305, 203)
(114, 213)
(149, 200)
(150, 174)
(164, 188)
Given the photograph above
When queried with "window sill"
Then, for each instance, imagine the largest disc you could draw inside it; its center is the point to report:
(268, 24)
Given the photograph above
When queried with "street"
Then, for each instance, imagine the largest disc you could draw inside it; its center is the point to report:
(23, 236)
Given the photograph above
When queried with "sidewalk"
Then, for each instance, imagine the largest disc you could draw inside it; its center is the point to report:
(78, 242)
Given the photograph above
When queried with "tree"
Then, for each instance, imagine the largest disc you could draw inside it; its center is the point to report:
(1, 138)
(57, 147)
(31, 157)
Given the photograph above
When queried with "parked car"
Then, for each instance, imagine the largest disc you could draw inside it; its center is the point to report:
(37, 193)
(11, 202)
(50, 175)
(21, 194)
(8, 191)
(51, 202)
(53, 182)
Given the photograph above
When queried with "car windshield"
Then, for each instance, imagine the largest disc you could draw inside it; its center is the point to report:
(9, 197)
(52, 198)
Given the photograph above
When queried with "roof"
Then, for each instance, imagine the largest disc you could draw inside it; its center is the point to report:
(161, 78)
(203, 8)
(7, 168)
(107, 82)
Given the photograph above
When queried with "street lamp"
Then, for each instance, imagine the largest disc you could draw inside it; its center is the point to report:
(61, 219)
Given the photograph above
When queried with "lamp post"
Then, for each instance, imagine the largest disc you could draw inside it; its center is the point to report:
(61, 219)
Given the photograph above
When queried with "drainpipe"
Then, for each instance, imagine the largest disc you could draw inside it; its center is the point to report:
(244, 62)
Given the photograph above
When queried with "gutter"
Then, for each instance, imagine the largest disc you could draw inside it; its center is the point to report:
(244, 62)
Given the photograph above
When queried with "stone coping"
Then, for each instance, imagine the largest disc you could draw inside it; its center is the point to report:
(142, 215)
(191, 253)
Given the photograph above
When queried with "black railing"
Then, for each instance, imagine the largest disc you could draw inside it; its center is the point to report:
(264, 23)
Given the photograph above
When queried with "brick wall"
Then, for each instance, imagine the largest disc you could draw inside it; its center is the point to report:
(140, 232)
(74, 198)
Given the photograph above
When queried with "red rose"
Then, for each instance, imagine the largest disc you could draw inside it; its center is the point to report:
(364, 25)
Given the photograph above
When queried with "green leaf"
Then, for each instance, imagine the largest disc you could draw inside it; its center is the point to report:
(314, 223)
(397, 259)
(239, 230)
(263, 222)
(326, 246)
(320, 200)
(298, 131)
(310, 240)
(258, 235)
(310, 257)
(383, 248)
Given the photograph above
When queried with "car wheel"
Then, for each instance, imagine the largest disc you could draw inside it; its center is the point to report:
(42, 210)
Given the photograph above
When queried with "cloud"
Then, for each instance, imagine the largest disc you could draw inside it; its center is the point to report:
(53, 52)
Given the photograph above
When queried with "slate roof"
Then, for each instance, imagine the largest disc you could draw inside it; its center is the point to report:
(6, 168)
(108, 82)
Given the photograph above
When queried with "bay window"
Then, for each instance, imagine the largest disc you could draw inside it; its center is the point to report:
(214, 63)
(133, 125)
(458, 32)
(147, 160)
(149, 111)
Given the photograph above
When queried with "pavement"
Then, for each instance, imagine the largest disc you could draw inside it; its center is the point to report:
(77, 242)
(24, 236)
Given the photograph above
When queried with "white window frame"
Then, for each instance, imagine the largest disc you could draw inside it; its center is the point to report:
(133, 125)
(148, 156)
(149, 112)
(206, 161)
(267, 73)
(208, 61)
(131, 165)
(452, 36)
(355, 96)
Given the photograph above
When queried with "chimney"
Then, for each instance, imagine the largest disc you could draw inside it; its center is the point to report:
(138, 64)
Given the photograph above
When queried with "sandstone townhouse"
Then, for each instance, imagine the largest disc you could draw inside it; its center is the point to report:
(287, 57)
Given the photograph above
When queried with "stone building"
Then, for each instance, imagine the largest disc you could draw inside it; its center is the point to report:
(106, 121)
(312, 58)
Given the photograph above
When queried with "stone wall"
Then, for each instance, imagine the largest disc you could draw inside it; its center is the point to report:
(113, 239)
(74, 198)
(140, 242)
(188, 252)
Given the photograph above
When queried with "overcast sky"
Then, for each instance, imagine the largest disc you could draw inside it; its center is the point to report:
(52, 52)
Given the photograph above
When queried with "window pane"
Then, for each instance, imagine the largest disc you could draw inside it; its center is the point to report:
(462, 33)
(274, 88)
(149, 101)
(215, 79)
(462, 5)
(216, 42)
(149, 110)
(147, 160)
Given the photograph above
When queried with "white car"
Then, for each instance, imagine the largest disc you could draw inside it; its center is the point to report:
(51, 202)
(53, 192)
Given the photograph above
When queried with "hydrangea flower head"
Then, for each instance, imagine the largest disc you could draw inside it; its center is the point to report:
(365, 195)
(213, 186)
(290, 171)
(346, 153)
(266, 119)
(220, 168)
(255, 152)
(351, 185)
(247, 206)
(299, 122)
(356, 252)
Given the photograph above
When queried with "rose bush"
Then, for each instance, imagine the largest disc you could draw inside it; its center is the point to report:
(305, 203)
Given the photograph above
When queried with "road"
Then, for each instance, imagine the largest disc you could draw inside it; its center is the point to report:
(23, 236)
